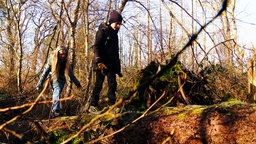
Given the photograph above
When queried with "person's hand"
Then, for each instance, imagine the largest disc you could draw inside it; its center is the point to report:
(79, 86)
(120, 74)
(102, 66)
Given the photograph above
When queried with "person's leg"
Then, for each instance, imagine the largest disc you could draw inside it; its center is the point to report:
(112, 84)
(97, 89)
(56, 95)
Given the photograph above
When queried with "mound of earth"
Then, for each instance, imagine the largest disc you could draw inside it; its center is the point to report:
(228, 122)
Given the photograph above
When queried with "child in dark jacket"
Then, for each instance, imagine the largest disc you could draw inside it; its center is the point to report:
(106, 59)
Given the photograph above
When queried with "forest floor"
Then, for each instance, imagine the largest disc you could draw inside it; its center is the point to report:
(232, 122)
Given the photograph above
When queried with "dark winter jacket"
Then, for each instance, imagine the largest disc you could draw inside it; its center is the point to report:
(106, 49)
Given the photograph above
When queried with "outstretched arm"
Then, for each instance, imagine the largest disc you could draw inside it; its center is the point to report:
(43, 77)
(74, 79)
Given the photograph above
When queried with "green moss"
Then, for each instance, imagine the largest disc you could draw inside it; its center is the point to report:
(57, 136)
(182, 116)
(197, 109)
(231, 103)
(172, 110)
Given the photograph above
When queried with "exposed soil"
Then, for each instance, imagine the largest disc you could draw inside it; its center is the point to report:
(217, 124)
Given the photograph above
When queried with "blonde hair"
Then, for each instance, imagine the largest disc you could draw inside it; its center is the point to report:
(55, 63)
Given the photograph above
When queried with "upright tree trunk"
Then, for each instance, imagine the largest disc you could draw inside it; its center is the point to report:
(193, 51)
(136, 50)
(86, 29)
(11, 50)
(161, 32)
(20, 54)
(123, 3)
(73, 24)
(227, 36)
(239, 52)
(251, 66)
(171, 35)
(149, 37)
(130, 49)
(36, 51)
(19, 72)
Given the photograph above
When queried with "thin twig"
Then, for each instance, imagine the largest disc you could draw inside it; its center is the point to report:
(182, 91)
(29, 104)
(20, 136)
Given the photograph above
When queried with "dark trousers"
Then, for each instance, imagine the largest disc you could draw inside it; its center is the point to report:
(112, 84)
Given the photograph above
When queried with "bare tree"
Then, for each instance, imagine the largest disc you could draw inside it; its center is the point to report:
(72, 31)
(10, 45)
(161, 33)
(240, 52)
(42, 33)
(21, 21)
(149, 37)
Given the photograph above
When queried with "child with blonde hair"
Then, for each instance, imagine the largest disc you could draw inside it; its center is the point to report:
(58, 69)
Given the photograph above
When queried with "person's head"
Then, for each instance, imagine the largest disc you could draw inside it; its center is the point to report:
(115, 20)
(60, 55)
(62, 52)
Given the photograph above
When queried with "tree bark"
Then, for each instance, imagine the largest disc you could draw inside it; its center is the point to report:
(72, 47)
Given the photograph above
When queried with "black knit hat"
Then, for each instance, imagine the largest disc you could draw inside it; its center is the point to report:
(115, 16)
